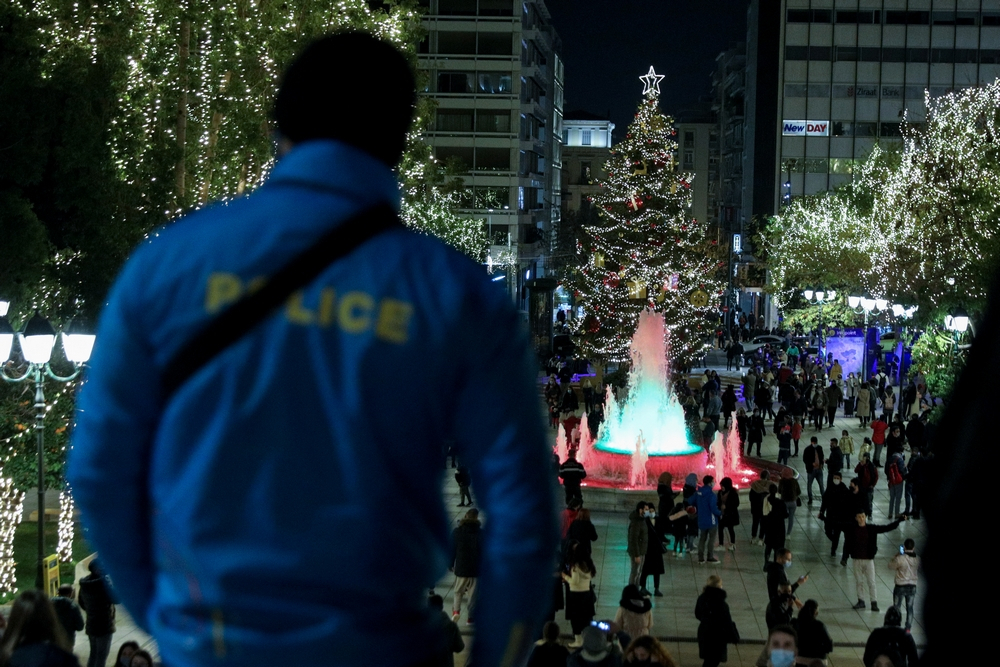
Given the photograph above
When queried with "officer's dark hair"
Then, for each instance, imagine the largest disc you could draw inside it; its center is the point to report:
(352, 87)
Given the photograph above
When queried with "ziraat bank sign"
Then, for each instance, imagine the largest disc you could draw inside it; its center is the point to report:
(805, 128)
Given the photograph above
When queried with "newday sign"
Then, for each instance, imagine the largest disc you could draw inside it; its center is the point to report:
(805, 128)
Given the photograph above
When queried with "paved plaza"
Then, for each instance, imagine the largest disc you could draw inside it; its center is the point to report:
(830, 584)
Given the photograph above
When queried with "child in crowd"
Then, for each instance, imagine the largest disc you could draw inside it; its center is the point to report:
(847, 447)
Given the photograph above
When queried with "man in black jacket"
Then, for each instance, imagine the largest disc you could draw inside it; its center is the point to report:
(891, 639)
(68, 612)
(466, 539)
(862, 545)
(777, 576)
(572, 473)
(455, 642)
(812, 459)
(98, 600)
(840, 503)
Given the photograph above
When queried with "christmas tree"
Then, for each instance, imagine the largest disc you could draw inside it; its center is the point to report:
(645, 251)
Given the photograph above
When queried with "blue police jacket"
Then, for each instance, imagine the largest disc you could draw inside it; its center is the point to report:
(708, 507)
(284, 506)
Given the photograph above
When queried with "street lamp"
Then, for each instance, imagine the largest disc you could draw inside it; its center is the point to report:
(819, 296)
(867, 305)
(37, 341)
(957, 321)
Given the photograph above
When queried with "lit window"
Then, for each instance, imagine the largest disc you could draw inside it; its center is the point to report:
(585, 137)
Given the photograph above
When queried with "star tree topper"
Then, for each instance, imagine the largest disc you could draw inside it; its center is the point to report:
(651, 82)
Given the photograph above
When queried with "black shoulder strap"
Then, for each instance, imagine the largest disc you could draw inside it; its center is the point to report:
(239, 318)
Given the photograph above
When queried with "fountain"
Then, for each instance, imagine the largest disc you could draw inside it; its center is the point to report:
(645, 434)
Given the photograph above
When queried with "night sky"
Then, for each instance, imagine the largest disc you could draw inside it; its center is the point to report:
(608, 44)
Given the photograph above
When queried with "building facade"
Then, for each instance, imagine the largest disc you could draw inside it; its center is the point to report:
(852, 72)
(586, 145)
(493, 68)
(695, 155)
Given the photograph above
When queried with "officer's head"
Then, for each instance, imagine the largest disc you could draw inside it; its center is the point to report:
(351, 87)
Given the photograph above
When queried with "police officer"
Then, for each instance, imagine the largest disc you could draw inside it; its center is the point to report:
(237, 512)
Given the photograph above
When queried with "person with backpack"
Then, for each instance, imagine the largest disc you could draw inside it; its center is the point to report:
(895, 475)
(891, 639)
(819, 403)
(888, 404)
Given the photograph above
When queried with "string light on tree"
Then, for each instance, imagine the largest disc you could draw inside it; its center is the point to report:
(645, 251)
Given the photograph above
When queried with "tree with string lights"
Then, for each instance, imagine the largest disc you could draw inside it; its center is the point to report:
(645, 250)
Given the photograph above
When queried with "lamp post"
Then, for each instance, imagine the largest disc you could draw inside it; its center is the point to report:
(819, 296)
(37, 341)
(867, 305)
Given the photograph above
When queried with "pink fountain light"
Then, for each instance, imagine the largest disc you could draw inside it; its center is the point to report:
(645, 434)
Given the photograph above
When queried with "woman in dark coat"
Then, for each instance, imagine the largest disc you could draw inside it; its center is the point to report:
(814, 640)
(774, 523)
(729, 503)
(582, 530)
(652, 564)
(716, 630)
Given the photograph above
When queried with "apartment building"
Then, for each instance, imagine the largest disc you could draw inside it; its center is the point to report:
(493, 68)
(586, 145)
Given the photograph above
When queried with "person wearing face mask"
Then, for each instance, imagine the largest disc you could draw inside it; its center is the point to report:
(781, 649)
(839, 505)
(125, 653)
(779, 610)
(652, 564)
(777, 573)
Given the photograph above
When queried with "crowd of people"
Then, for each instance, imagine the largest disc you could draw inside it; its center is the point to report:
(795, 391)
(41, 631)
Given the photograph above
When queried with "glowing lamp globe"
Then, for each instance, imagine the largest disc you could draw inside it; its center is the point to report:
(78, 342)
(958, 321)
(37, 340)
(808, 294)
(881, 304)
(854, 301)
